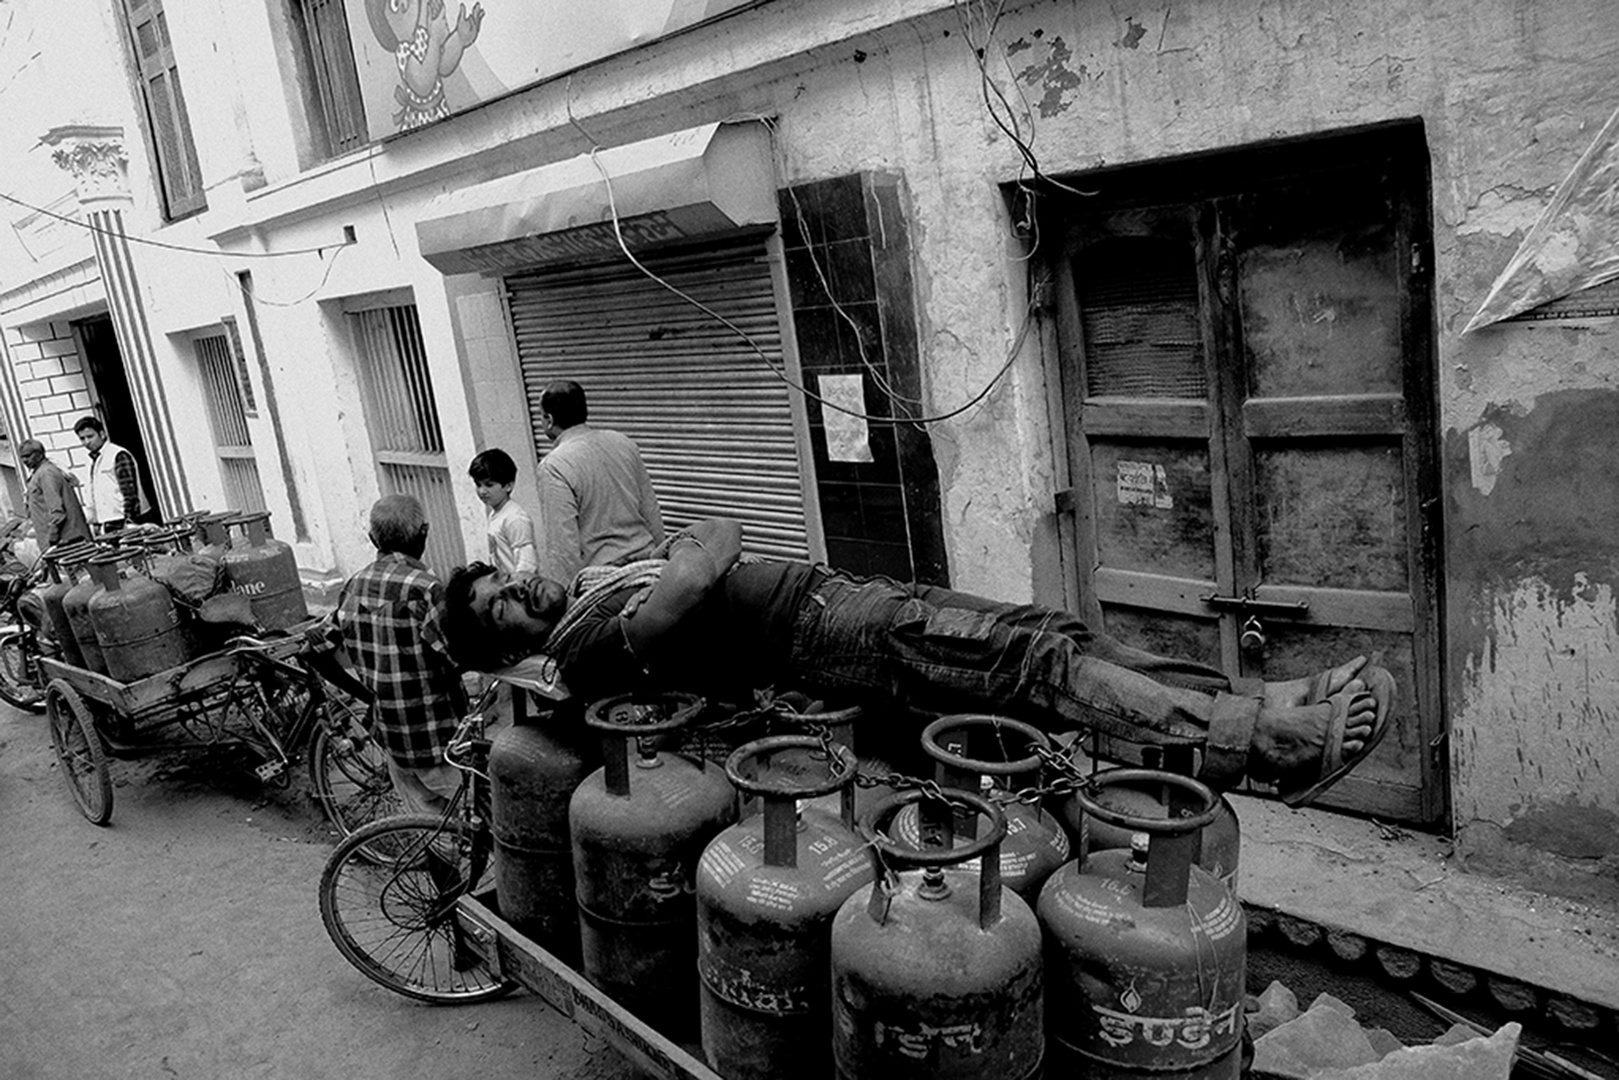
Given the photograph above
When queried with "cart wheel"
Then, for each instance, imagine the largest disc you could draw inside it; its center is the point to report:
(19, 673)
(78, 748)
(387, 898)
(348, 771)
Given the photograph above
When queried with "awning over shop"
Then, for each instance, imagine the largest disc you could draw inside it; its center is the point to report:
(716, 178)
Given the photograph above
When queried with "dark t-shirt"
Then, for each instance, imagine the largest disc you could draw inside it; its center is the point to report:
(739, 638)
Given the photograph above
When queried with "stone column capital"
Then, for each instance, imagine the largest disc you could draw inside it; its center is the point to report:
(94, 154)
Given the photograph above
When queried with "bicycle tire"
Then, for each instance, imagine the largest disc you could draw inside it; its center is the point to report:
(393, 922)
(348, 774)
(18, 674)
(79, 750)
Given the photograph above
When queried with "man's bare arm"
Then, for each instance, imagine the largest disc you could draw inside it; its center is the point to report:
(699, 558)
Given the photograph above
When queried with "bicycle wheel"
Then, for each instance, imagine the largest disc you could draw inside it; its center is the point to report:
(78, 748)
(348, 772)
(387, 898)
(19, 673)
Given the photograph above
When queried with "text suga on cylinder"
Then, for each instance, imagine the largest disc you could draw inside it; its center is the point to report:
(767, 890)
(638, 830)
(935, 976)
(1145, 952)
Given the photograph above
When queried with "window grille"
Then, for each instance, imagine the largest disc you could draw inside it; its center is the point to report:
(402, 418)
(227, 414)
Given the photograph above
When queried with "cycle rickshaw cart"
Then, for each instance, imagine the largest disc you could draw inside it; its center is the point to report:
(253, 694)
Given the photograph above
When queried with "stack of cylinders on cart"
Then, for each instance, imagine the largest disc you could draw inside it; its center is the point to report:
(637, 830)
(61, 562)
(908, 947)
(136, 624)
(264, 570)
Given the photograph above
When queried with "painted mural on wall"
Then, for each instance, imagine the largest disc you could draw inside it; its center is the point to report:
(420, 62)
(1574, 245)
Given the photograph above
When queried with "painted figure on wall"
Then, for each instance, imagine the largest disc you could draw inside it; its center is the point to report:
(427, 48)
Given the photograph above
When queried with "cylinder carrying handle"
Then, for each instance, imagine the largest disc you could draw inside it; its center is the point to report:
(781, 791)
(987, 849)
(1173, 840)
(958, 770)
(616, 733)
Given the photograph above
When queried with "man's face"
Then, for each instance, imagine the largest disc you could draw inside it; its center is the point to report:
(521, 608)
(33, 456)
(92, 439)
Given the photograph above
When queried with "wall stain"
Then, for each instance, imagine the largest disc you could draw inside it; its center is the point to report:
(1133, 34)
(1052, 76)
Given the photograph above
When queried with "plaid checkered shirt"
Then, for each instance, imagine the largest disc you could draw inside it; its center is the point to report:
(389, 619)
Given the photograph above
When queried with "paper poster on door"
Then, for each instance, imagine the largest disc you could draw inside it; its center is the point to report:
(847, 436)
(1142, 483)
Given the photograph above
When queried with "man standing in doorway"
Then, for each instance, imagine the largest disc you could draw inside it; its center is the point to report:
(597, 506)
(116, 495)
(51, 499)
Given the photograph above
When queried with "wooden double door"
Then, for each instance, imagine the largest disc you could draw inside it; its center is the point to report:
(1247, 358)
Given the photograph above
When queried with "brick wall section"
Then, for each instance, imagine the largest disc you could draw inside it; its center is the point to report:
(882, 516)
(52, 382)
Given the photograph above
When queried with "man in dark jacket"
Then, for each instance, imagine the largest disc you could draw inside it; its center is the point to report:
(51, 500)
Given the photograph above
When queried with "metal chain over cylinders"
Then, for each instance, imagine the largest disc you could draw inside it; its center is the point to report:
(931, 977)
(767, 890)
(1145, 952)
(638, 830)
(984, 754)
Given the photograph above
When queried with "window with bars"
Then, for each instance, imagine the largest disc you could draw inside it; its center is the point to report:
(168, 127)
(402, 419)
(336, 108)
(220, 367)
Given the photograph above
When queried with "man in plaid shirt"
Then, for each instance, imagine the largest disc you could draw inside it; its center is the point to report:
(389, 620)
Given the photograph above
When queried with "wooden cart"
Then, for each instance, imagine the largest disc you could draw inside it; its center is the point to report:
(215, 700)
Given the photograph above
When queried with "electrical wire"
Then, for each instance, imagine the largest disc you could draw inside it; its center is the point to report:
(217, 252)
(251, 292)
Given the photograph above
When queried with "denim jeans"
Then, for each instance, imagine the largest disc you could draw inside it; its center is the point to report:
(946, 651)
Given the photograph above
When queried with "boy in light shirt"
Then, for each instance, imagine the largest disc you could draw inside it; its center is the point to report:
(509, 528)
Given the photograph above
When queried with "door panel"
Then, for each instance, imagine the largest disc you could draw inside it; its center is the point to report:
(1279, 489)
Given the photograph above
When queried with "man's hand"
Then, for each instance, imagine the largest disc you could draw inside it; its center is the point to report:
(699, 558)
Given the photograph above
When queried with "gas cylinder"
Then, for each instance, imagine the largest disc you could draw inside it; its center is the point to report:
(767, 890)
(76, 607)
(533, 771)
(211, 535)
(264, 570)
(989, 755)
(135, 621)
(1145, 951)
(1219, 846)
(60, 563)
(935, 975)
(638, 830)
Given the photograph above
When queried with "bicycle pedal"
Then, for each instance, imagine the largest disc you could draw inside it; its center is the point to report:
(270, 770)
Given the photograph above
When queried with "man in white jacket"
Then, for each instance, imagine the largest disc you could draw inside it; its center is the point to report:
(115, 497)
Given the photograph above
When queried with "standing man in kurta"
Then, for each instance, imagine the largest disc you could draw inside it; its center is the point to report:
(51, 499)
(597, 506)
(117, 497)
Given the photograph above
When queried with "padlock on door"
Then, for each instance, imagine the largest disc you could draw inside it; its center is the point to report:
(1253, 634)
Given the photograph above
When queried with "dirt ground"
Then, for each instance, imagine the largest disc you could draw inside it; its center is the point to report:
(184, 941)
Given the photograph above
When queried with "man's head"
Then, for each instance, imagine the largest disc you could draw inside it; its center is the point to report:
(492, 617)
(494, 472)
(399, 524)
(91, 432)
(563, 403)
(32, 452)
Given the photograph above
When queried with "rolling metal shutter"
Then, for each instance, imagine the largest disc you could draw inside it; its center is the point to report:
(713, 422)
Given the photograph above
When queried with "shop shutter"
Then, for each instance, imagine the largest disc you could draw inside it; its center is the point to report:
(714, 423)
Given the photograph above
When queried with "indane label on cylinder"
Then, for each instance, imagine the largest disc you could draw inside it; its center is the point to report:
(1194, 1031)
(917, 1042)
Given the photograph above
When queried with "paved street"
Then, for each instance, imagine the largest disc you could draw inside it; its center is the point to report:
(184, 941)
